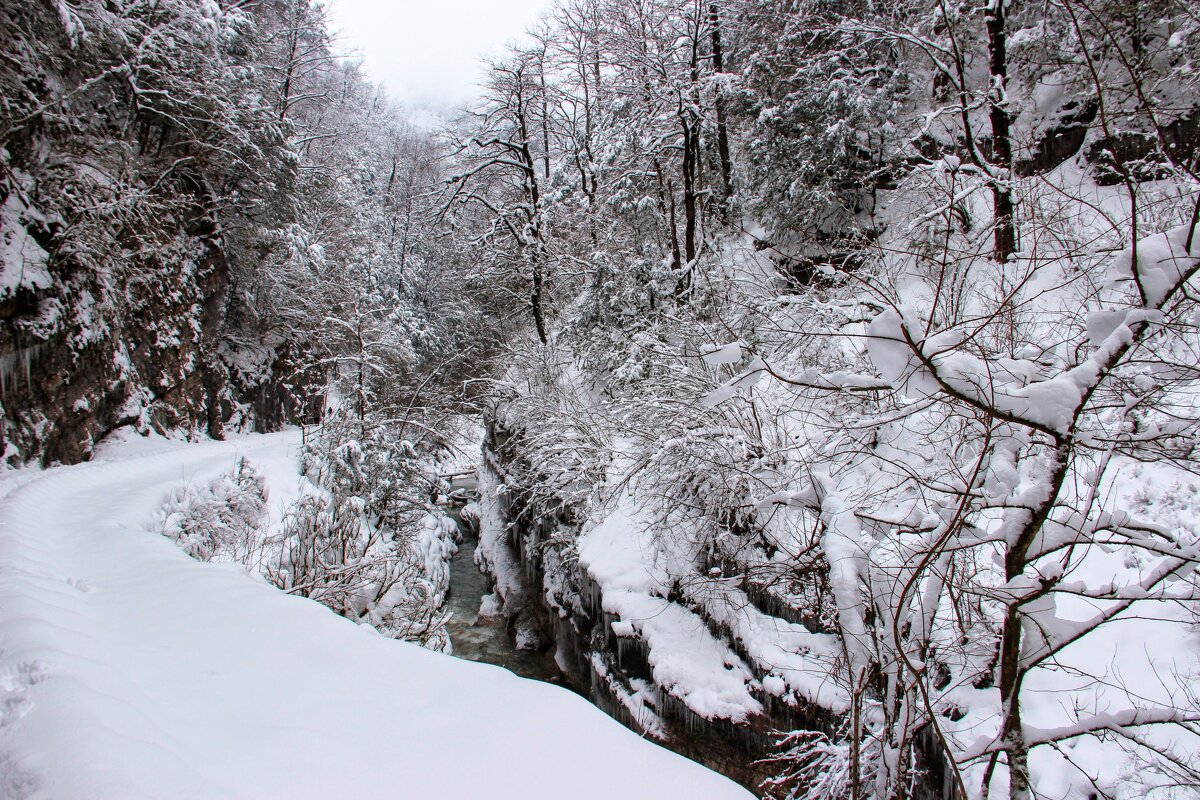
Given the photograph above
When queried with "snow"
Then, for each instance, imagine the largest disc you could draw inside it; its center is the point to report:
(1136, 669)
(843, 548)
(637, 702)
(1161, 262)
(686, 659)
(616, 551)
(753, 373)
(436, 544)
(716, 355)
(794, 658)
(489, 606)
(71, 24)
(129, 670)
(493, 555)
(924, 366)
(22, 260)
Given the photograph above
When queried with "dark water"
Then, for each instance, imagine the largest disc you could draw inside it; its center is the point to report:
(479, 638)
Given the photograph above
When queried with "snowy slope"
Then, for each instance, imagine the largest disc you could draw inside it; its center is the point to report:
(127, 670)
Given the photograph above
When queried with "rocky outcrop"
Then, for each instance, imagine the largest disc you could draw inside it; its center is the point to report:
(1062, 139)
(87, 347)
(115, 265)
(1145, 156)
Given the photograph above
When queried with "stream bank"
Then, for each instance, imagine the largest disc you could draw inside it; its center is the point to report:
(542, 587)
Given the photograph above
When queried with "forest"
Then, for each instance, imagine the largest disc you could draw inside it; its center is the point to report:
(830, 371)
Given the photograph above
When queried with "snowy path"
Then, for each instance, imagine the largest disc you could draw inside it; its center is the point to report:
(127, 670)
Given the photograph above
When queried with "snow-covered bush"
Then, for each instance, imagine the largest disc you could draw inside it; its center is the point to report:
(816, 766)
(332, 554)
(364, 538)
(221, 520)
(368, 541)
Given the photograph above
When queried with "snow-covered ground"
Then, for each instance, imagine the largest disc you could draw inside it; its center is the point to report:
(128, 670)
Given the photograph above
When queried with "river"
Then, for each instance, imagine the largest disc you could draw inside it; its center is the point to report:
(476, 637)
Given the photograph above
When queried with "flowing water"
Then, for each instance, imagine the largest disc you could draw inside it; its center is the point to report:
(476, 637)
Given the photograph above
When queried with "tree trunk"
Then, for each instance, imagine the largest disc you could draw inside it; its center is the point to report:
(1003, 207)
(668, 211)
(714, 16)
(535, 298)
(533, 194)
(690, 146)
(1011, 672)
(545, 119)
(1010, 687)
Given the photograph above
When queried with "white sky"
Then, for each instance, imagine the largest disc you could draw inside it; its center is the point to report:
(427, 52)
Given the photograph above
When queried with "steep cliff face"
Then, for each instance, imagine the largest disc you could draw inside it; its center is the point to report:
(86, 350)
(118, 165)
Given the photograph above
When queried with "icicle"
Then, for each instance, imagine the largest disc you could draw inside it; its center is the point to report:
(22, 359)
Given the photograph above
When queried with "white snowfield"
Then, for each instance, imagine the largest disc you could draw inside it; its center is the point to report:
(130, 671)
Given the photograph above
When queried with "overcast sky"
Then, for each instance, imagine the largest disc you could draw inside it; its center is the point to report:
(426, 52)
